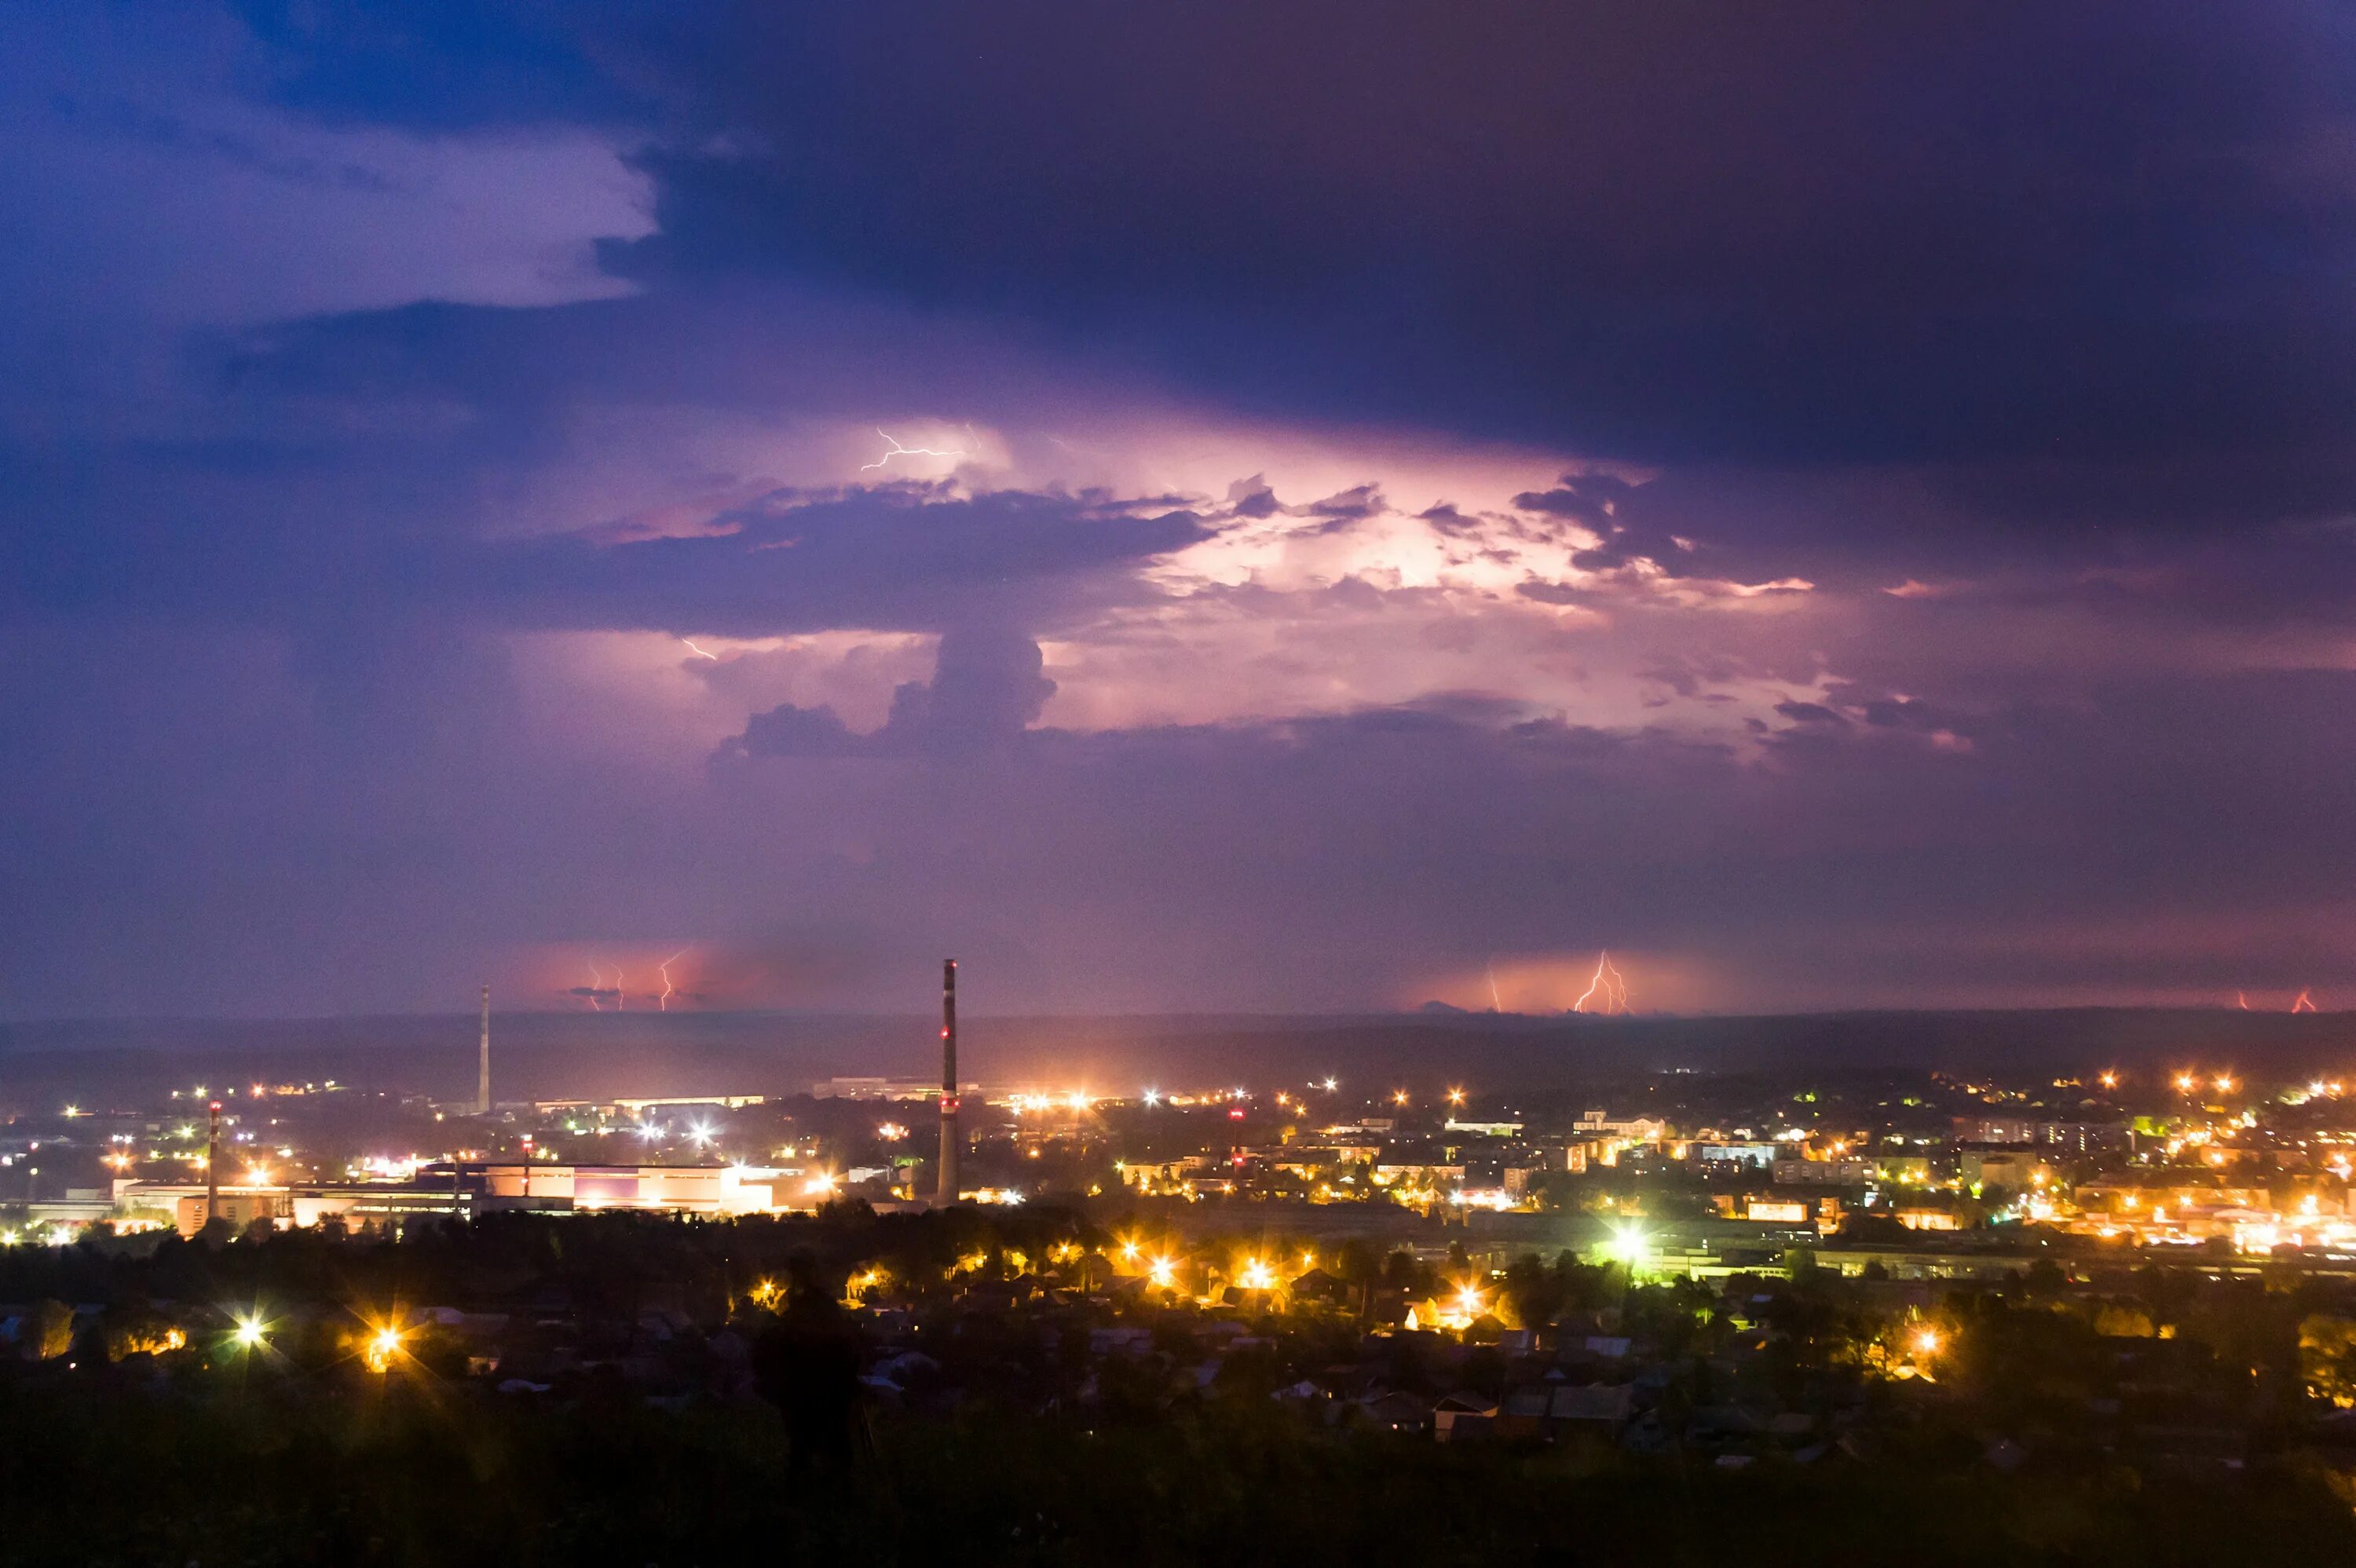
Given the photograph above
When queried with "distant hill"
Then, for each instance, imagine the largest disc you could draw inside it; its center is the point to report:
(552, 1055)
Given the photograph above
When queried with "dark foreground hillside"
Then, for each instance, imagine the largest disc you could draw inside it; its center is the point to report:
(420, 1476)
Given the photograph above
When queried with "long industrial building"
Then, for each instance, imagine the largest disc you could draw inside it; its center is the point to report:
(482, 1187)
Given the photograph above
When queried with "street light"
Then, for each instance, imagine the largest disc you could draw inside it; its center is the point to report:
(383, 1347)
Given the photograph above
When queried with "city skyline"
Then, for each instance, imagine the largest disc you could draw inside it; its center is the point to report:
(1317, 512)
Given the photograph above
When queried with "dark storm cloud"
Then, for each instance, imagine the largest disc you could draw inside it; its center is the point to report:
(898, 555)
(2020, 331)
(1674, 232)
(321, 530)
(985, 690)
(2167, 826)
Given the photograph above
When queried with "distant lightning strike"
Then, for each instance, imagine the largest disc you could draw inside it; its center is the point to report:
(1608, 981)
(2304, 1004)
(662, 1003)
(1494, 1005)
(597, 986)
(896, 449)
(699, 653)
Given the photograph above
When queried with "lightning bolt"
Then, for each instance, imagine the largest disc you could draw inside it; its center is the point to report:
(699, 653)
(1610, 982)
(662, 1003)
(619, 996)
(896, 449)
(1494, 1005)
(596, 984)
(2242, 1000)
(2304, 1004)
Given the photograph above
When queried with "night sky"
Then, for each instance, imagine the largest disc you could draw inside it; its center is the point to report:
(1209, 506)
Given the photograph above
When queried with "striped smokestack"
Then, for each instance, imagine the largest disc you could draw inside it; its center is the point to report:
(212, 1165)
(952, 1141)
(483, 1070)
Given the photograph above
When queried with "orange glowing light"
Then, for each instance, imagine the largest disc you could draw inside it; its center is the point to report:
(383, 1347)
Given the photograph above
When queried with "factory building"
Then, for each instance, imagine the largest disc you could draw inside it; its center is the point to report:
(479, 1189)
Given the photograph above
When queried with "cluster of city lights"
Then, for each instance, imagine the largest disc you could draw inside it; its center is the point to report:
(1074, 1100)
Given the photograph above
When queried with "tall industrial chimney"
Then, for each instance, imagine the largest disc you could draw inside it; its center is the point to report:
(952, 1142)
(212, 1165)
(483, 1073)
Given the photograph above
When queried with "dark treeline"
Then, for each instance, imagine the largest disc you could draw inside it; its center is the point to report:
(246, 1472)
(147, 1434)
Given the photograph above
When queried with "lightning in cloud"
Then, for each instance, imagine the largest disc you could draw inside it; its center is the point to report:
(1608, 989)
(699, 653)
(2303, 1004)
(896, 449)
(662, 1003)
